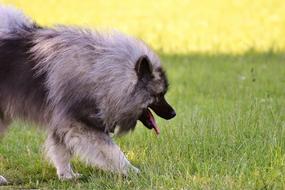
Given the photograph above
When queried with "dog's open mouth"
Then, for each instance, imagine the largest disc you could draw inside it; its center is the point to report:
(148, 120)
(162, 109)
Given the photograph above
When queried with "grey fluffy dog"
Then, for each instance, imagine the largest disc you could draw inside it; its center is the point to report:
(81, 86)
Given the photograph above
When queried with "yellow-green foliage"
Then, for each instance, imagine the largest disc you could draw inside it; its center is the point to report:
(229, 26)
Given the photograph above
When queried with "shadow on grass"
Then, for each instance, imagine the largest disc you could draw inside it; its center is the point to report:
(250, 55)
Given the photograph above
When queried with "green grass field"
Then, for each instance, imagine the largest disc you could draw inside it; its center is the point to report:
(226, 66)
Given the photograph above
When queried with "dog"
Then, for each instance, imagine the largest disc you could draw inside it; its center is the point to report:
(81, 86)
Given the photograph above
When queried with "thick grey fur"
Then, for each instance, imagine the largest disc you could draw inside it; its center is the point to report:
(75, 64)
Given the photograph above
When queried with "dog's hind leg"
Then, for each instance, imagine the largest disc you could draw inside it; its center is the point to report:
(3, 181)
(98, 149)
(4, 123)
(60, 156)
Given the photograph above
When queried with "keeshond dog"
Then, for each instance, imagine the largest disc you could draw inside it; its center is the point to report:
(81, 86)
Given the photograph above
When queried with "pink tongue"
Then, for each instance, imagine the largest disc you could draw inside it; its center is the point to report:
(155, 127)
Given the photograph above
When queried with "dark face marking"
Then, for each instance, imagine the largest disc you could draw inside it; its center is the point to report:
(160, 105)
(162, 108)
(163, 77)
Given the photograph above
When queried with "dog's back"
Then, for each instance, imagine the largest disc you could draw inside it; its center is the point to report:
(13, 20)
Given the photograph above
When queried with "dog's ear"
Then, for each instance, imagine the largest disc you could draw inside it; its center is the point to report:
(143, 67)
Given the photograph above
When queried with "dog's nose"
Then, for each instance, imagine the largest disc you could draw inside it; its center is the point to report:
(173, 114)
(170, 115)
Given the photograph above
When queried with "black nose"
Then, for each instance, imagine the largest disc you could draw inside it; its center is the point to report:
(173, 114)
(170, 115)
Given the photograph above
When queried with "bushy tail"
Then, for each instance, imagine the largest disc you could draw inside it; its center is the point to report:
(12, 19)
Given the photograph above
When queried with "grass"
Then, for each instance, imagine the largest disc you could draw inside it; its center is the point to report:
(225, 62)
(184, 26)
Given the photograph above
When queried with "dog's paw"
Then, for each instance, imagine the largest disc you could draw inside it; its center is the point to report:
(69, 176)
(133, 170)
(3, 181)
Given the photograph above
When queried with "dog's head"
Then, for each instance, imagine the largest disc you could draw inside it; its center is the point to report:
(153, 82)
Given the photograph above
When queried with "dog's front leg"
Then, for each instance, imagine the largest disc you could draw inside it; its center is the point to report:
(116, 160)
(60, 156)
(98, 149)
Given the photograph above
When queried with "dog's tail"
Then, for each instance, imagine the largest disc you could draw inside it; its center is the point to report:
(13, 20)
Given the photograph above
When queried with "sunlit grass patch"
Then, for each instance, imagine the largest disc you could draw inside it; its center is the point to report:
(175, 27)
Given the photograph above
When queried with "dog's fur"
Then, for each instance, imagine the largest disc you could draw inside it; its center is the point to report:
(81, 85)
